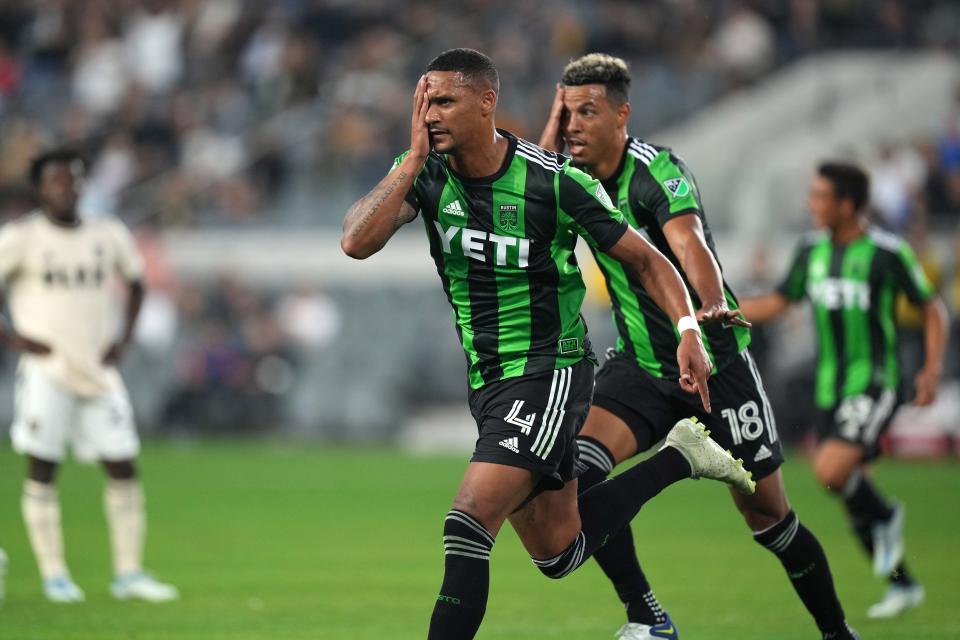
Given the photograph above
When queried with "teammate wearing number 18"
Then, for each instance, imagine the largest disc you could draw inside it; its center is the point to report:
(635, 397)
(851, 273)
(502, 217)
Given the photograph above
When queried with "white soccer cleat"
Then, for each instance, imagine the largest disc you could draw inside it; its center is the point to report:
(706, 458)
(896, 600)
(142, 586)
(3, 574)
(62, 589)
(636, 631)
(888, 543)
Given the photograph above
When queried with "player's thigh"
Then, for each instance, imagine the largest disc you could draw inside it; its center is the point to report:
(611, 431)
(630, 411)
(490, 492)
(767, 506)
(44, 415)
(742, 420)
(548, 524)
(106, 429)
(527, 428)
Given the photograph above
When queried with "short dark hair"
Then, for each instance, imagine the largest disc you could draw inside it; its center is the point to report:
(848, 180)
(54, 156)
(473, 65)
(600, 68)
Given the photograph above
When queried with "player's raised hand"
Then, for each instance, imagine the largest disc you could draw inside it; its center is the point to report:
(694, 366)
(419, 130)
(721, 314)
(926, 382)
(552, 136)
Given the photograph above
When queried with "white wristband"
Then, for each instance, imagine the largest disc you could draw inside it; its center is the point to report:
(688, 322)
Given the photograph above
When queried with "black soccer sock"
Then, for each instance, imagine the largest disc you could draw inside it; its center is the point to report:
(618, 558)
(466, 579)
(860, 496)
(608, 507)
(806, 564)
(865, 508)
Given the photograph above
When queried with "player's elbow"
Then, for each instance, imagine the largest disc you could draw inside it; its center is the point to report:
(354, 248)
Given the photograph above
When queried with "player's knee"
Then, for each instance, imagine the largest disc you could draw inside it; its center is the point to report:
(465, 537)
(41, 471)
(832, 476)
(759, 518)
(563, 564)
(121, 470)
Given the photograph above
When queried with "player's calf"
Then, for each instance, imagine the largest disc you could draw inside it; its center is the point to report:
(806, 565)
(462, 601)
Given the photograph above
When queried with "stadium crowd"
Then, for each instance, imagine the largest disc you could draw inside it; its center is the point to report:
(234, 111)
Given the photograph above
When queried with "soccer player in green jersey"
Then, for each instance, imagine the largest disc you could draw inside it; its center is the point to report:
(635, 394)
(502, 217)
(851, 273)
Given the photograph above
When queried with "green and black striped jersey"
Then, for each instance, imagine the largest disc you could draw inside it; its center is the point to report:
(651, 187)
(853, 289)
(503, 246)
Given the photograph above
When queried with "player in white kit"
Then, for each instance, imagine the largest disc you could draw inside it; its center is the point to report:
(61, 273)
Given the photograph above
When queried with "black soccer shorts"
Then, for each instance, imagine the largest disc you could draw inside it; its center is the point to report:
(532, 422)
(742, 419)
(861, 419)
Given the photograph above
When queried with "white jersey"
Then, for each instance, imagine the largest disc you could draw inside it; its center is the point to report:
(61, 293)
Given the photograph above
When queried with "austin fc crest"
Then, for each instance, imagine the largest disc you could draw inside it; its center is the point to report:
(509, 217)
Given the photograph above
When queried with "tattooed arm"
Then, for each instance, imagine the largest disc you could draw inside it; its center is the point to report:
(373, 219)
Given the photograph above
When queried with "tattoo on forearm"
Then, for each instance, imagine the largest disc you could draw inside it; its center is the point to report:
(366, 208)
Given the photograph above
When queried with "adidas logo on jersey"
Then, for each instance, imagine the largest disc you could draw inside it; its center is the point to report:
(762, 453)
(454, 209)
(511, 443)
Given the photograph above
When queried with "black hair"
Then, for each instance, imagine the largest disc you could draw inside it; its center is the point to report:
(54, 156)
(848, 180)
(475, 66)
(600, 68)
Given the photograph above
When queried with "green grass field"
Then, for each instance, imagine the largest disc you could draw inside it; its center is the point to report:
(281, 541)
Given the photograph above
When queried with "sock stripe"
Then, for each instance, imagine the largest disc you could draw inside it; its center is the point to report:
(790, 525)
(853, 483)
(573, 555)
(466, 519)
(595, 454)
(456, 545)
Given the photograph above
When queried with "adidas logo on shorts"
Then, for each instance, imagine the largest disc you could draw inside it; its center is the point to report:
(511, 443)
(454, 209)
(762, 453)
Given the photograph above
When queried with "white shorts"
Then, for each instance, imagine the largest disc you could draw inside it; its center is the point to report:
(48, 418)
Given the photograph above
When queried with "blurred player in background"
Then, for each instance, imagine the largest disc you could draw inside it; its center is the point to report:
(59, 270)
(851, 273)
(636, 393)
(502, 217)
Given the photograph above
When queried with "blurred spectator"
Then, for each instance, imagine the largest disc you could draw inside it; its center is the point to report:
(896, 179)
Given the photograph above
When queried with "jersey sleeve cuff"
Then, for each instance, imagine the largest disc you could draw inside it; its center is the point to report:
(611, 237)
(664, 218)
